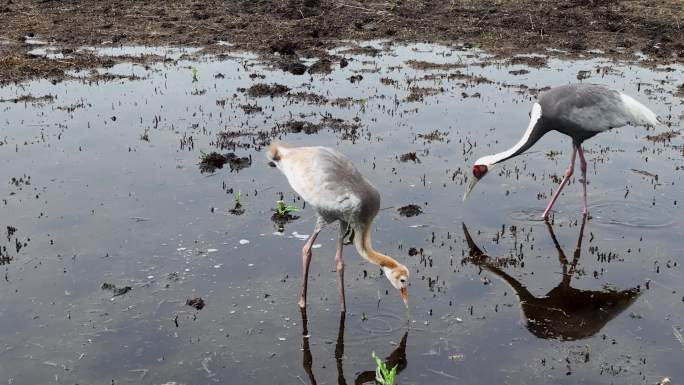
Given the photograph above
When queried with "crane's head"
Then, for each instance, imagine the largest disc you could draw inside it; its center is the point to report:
(479, 171)
(398, 277)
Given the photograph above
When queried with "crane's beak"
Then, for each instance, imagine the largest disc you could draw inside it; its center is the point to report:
(471, 185)
(403, 292)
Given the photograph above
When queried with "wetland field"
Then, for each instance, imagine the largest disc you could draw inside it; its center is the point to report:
(139, 245)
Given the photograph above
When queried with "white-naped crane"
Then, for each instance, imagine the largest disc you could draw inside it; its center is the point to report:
(579, 111)
(329, 182)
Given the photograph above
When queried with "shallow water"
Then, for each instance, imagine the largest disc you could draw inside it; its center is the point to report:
(94, 202)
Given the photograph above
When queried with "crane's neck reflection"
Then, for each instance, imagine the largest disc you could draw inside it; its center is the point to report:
(564, 313)
(396, 358)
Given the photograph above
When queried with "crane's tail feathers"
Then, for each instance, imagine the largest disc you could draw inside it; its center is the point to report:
(274, 151)
(640, 113)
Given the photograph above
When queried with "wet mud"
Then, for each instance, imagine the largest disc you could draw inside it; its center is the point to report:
(304, 29)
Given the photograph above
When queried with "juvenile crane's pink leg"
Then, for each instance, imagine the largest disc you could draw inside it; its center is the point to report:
(306, 259)
(568, 174)
(339, 261)
(583, 167)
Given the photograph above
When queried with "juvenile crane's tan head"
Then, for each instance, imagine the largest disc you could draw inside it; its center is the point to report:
(398, 277)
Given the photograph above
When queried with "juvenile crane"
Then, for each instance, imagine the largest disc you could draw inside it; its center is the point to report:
(579, 111)
(329, 182)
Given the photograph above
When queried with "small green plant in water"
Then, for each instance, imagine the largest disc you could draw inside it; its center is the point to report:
(363, 104)
(282, 209)
(382, 375)
(237, 209)
(194, 75)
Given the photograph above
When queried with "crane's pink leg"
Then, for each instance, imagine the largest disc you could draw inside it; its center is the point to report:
(339, 261)
(583, 167)
(306, 259)
(568, 174)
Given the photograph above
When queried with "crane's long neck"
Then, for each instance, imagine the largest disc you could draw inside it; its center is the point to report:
(519, 289)
(534, 132)
(362, 241)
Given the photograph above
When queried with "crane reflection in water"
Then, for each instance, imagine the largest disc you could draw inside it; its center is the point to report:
(397, 357)
(564, 313)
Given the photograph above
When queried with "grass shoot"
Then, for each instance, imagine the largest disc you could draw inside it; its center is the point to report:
(382, 375)
(283, 209)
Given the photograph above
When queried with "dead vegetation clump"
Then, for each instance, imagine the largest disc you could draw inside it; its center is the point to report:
(530, 61)
(409, 211)
(436, 136)
(322, 66)
(250, 108)
(262, 89)
(299, 126)
(308, 97)
(663, 137)
(409, 156)
(212, 161)
(30, 99)
(417, 94)
(425, 65)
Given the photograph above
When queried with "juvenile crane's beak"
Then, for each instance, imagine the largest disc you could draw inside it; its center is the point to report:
(471, 184)
(403, 292)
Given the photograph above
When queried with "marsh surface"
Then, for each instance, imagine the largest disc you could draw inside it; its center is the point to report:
(101, 189)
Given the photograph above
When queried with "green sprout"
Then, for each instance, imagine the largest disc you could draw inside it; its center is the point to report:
(236, 196)
(382, 375)
(194, 75)
(282, 209)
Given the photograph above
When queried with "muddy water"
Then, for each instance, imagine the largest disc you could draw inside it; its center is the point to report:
(107, 189)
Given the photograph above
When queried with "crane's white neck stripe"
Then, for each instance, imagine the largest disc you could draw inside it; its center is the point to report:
(492, 159)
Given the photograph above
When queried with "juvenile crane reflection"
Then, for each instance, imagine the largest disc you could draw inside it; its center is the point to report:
(397, 357)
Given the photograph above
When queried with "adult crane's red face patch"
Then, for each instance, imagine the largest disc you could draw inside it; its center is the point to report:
(479, 170)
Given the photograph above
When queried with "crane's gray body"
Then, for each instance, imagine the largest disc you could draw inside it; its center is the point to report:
(582, 110)
(579, 111)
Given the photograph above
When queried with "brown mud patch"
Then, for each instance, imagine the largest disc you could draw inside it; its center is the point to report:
(618, 28)
(212, 161)
(262, 89)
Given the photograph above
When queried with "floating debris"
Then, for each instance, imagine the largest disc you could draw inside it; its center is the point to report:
(409, 156)
(197, 303)
(116, 290)
(409, 211)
